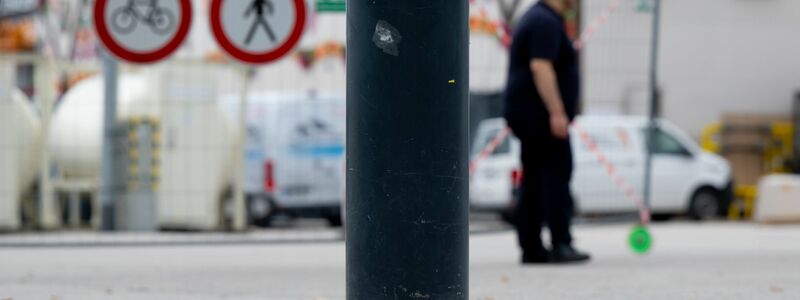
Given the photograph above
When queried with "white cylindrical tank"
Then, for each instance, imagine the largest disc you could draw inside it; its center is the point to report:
(30, 133)
(77, 127)
(20, 146)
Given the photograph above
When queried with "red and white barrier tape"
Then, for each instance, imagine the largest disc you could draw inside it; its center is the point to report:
(505, 32)
(596, 23)
(486, 151)
(619, 181)
(579, 43)
(602, 159)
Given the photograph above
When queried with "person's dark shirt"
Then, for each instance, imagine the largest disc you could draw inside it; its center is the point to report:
(540, 33)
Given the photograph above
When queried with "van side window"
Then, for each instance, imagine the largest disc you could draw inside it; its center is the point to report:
(664, 143)
(504, 147)
(607, 142)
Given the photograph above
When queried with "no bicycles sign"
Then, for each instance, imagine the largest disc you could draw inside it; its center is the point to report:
(142, 31)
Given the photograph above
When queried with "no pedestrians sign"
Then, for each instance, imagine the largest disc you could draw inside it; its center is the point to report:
(257, 31)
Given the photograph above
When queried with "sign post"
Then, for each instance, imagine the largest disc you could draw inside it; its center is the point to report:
(108, 203)
(640, 232)
(407, 148)
(137, 32)
(254, 32)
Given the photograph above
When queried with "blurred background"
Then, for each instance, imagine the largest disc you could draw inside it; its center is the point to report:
(205, 147)
(188, 160)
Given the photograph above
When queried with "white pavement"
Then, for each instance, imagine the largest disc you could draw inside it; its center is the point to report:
(689, 261)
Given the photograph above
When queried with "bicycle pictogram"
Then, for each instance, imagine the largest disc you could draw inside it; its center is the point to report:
(125, 19)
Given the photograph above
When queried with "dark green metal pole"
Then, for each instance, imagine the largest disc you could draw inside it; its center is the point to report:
(654, 103)
(407, 148)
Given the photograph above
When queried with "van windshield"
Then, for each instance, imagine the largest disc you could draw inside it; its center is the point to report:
(664, 143)
(483, 142)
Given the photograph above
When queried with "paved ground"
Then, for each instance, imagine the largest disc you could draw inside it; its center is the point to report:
(689, 261)
(290, 232)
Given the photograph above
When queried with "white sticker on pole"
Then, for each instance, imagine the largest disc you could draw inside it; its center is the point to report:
(257, 31)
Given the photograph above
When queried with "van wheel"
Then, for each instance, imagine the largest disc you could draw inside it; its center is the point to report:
(260, 210)
(264, 222)
(705, 205)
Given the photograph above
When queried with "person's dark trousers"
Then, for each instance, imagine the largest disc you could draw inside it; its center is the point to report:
(545, 195)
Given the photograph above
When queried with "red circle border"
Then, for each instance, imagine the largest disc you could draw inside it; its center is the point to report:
(142, 57)
(257, 58)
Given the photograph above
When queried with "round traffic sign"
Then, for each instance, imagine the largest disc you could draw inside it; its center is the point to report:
(142, 31)
(257, 31)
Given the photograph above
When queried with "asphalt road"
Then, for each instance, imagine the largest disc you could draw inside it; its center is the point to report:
(688, 261)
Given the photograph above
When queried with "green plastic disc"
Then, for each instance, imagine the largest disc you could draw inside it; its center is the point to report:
(640, 239)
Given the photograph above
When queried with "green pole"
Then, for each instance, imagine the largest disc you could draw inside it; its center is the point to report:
(407, 149)
(654, 102)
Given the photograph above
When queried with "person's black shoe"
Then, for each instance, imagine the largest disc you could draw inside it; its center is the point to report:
(536, 257)
(567, 254)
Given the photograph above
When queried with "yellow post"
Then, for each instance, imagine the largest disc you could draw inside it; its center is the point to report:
(708, 138)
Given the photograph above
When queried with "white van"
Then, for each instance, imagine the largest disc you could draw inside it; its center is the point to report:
(685, 179)
(294, 155)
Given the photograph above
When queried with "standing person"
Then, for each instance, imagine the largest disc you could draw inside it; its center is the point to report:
(540, 101)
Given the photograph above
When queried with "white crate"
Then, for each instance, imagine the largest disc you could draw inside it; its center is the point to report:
(778, 199)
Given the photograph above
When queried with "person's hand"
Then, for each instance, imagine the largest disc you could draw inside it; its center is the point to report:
(559, 126)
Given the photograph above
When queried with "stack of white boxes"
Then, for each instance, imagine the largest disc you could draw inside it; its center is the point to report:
(198, 145)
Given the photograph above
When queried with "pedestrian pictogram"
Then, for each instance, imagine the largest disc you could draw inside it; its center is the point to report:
(142, 31)
(257, 31)
(260, 20)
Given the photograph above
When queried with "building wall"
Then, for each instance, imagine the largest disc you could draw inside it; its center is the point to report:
(717, 56)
